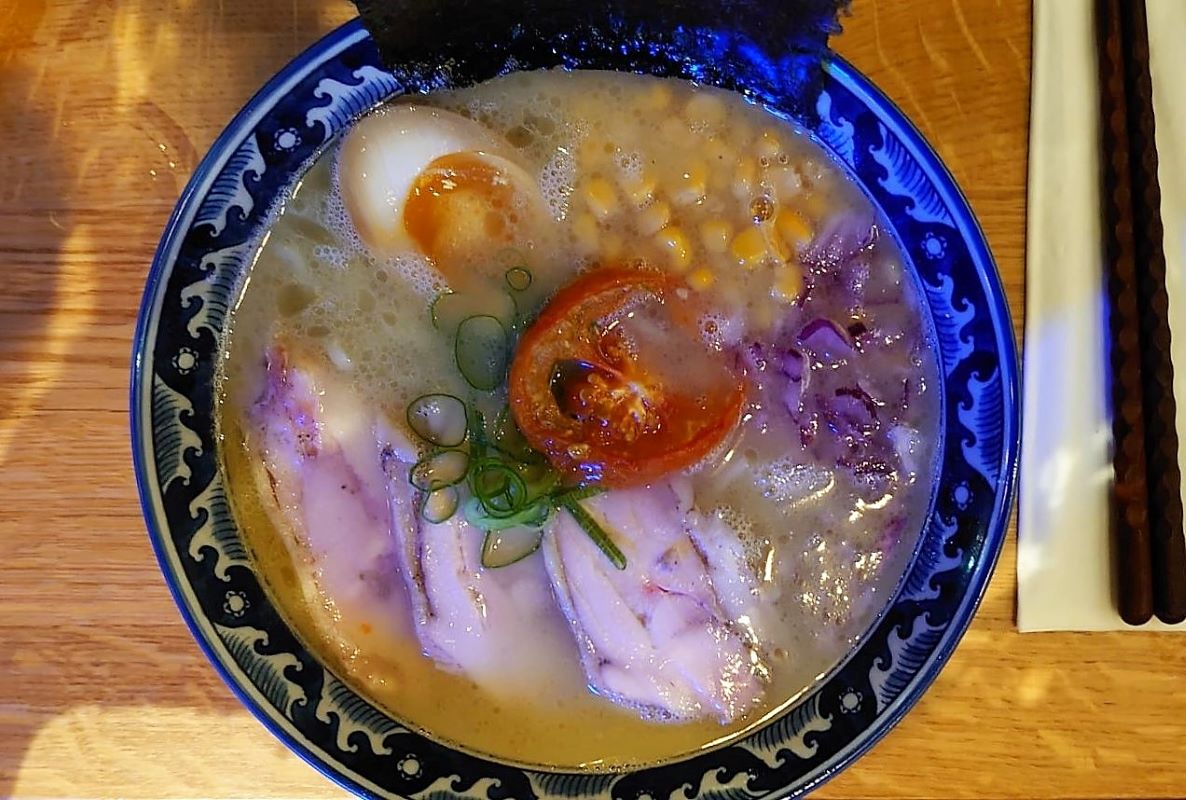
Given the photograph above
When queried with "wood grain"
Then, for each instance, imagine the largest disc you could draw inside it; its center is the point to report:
(106, 107)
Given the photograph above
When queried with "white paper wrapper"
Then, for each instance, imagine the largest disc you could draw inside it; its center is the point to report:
(1064, 564)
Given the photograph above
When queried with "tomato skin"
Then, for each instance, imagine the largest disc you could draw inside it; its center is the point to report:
(621, 423)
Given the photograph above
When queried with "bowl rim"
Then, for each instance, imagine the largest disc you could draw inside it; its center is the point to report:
(352, 32)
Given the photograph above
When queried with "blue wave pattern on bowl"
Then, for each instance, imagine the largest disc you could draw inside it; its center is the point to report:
(209, 245)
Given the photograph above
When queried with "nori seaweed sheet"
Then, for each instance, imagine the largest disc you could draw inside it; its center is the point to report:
(771, 51)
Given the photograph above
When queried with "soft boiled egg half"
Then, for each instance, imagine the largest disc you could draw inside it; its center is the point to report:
(420, 179)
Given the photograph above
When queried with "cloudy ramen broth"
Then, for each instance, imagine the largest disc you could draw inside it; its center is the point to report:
(819, 487)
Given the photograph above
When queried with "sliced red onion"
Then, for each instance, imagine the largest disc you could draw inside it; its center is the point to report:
(792, 364)
(862, 397)
(792, 398)
(826, 340)
(756, 355)
(808, 429)
(850, 417)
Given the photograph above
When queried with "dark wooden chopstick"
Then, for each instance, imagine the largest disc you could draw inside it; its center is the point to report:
(1130, 500)
(1147, 490)
(1161, 436)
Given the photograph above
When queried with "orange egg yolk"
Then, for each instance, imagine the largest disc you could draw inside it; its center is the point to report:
(461, 208)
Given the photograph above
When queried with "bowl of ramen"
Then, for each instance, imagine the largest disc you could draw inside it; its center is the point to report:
(588, 432)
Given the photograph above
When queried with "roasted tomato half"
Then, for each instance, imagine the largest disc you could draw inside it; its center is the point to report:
(614, 383)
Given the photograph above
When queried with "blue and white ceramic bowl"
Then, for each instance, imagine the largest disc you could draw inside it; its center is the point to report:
(208, 245)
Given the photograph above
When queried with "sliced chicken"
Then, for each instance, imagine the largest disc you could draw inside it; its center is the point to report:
(336, 473)
(323, 486)
(499, 627)
(442, 565)
(655, 636)
(737, 586)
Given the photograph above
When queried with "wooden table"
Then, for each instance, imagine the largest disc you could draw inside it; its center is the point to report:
(105, 107)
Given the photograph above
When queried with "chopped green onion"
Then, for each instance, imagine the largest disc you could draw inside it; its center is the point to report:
(518, 278)
(594, 531)
(482, 350)
(437, 506)
(512, 489)
(498, 487)
(438, 419)
(506, 547)
(534, 515)
(438, 469)
(577, 493)
(541, 479)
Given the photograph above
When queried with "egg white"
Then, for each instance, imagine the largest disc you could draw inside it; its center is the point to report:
(384, 154)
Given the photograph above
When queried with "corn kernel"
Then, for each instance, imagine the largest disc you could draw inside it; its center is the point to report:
(584, 231)
(793, 228)
(714, 235)
(749, 247)
(692, 184)
(654, 217)
(787, 181)
(601, 198)
(745, 177)
(788, 283)
(675, 245)
(704, 108)
(701, 278)
(768, 145)
(781, 250)
(639, 187)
